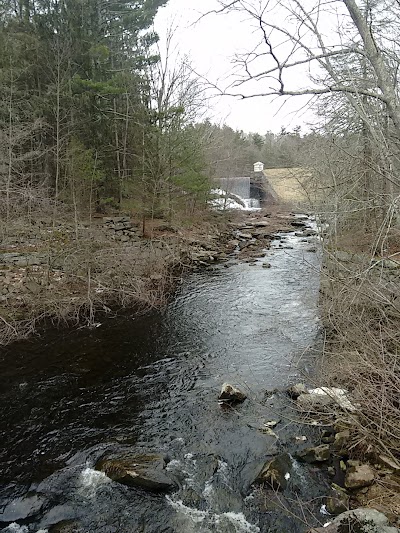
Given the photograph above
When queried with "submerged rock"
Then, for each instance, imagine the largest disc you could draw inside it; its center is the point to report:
(276, 472)
(144, 471)
(229, 393)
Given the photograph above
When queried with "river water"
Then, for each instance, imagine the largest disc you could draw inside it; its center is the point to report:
(151, 384)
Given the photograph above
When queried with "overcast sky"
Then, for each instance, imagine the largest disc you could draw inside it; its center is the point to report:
(211, 44)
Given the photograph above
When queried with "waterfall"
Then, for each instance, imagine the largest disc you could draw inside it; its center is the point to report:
(238, 186)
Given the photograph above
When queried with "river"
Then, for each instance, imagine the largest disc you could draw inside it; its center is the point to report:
(151, 383)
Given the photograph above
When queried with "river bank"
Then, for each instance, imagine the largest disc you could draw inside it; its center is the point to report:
(360, 313)
(55, 273)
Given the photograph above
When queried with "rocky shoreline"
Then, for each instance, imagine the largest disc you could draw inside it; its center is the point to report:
(61, 275)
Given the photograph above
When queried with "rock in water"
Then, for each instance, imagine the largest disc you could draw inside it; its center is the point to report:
(22, 508)
(338, 502)
(315, 455)
(276, 472)
(144, 471)
(229, 393)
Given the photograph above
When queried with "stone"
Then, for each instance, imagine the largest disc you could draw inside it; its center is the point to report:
(296, 390)
(317, 454)
(338, 502)
(229, 393)
(340, 444)
(358, 477)
(331, 471)
(324, 397)
(297, 224)
(271, 423)
(33, 287)
(118, 227)
(360, 520)
(143, 471)
(276, 472)
(22, 508)
(266, 265)
(261, 224)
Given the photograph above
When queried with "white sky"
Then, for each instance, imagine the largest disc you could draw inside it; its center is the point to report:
(211, 44)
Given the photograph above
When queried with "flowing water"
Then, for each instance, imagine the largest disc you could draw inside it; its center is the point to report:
(151, 384)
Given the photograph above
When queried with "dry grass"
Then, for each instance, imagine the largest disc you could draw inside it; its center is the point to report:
(290, 184)
(87, 272)
(361, 309)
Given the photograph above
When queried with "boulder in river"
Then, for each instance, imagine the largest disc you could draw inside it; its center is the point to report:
(231, 394)
(276, 472)
(360, 520)
(143, 471)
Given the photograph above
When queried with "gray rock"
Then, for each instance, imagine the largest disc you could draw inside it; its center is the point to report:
(144, 471)
(325, 397)
(318, 454)
(341, 441)
(266, 265)
(359, 476)
(360, 520)
(229, 393)
(22, 508)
